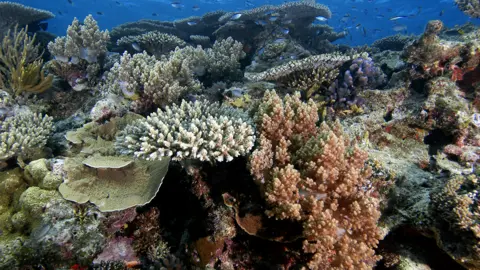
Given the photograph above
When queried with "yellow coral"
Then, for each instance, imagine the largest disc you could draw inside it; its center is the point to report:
(21, 65)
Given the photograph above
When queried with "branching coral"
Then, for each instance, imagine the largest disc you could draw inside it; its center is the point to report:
(148, 81)
(21, 65)
(469, 7)
(155, 43)
(315, 176)
(199, 130)
(23, 134)
(224, 58)
(85, 42)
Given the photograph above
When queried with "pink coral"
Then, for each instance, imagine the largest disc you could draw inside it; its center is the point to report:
(315, 176)
(117, 249)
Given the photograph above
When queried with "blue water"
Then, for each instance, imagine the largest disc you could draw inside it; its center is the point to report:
(367, 13)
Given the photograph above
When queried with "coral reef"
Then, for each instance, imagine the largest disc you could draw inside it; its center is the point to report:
(21, 64)
(316, 177)
(393, 43)
(154, 43)
(455, 207)
(24, 135)
(469, 7)
(14, 14)
(198, 130)
(84, 41)
(77, 55)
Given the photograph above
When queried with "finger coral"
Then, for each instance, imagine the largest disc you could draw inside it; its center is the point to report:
(315, 176)
(21, 65)
(199, 130)
(23, 134)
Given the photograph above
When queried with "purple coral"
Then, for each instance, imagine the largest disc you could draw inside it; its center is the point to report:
(362, 74)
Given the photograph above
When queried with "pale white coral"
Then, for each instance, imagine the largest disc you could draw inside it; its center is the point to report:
(224, 57)
(199, 130)
(23, 134)
(85, 42)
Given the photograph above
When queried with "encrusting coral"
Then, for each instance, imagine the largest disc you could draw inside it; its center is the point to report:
(315, 176)
(21, 65)
(199, 130)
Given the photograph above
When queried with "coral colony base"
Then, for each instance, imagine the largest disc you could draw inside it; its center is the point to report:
(226, 144)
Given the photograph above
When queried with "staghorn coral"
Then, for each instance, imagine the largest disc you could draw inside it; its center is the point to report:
(153, 42)
(21, 65)
(23, 134)
(84, 42)
(469, 7)
(198, 130)
(313, 175)
(12, 14)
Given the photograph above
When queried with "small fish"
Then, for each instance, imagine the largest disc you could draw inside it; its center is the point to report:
(260, 22)
(364, 32)
(136, 47)
(279, 40)
(321, 18)
(154, 14)
(273, 18)
(358, 26)
(236, 16)
(441, 13)
(196, 8)
(59, 12)
(289, 21)
(99, 13)
(177, 5)
(260, 52)
(461, 32)
(192, 23)
(118, 3)
(397, 18)
(70, 1)
(269, 12)
(399, 28)
(285, 31)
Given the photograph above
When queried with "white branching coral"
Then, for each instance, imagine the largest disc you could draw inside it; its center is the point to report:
(224, 58)
(23, 134)
(199, 130)
(85, 42)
